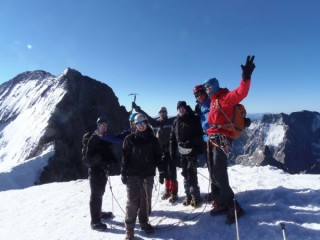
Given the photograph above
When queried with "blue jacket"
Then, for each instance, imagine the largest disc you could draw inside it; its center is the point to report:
(118, 138)
(202, 110)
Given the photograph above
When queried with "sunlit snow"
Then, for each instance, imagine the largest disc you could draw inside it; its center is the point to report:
(30, 104)
(274, 135)
(268, 195)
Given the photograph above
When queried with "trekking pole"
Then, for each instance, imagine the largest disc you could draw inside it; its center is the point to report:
(236, 218)
(283, 226)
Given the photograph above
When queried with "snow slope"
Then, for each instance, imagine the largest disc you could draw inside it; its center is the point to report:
(26, 109)
(268, 195)
(26, 105)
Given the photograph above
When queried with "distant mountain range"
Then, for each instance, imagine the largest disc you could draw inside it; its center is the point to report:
(288, 141)
(43, 118)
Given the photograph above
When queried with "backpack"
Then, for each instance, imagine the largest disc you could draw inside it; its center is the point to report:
(238, 122)
(85, 140)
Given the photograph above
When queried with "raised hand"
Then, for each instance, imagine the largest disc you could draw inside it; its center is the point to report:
(248, 68)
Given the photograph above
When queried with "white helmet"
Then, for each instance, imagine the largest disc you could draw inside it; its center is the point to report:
(140, 118)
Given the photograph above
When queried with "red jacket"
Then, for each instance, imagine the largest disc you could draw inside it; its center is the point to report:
(227, 100)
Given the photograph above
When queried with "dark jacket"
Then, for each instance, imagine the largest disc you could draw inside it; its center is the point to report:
(161, 128)
(186, 132)
(100, 152)
(141, 154)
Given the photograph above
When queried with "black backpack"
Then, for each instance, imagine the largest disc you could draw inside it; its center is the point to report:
(85, 140)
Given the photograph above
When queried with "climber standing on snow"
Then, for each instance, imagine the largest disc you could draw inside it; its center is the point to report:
(141, 155)
(222, 103)
(162, 127)
(99, 153)
(186, 137)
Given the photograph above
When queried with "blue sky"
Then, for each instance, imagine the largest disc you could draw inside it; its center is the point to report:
(161, 49)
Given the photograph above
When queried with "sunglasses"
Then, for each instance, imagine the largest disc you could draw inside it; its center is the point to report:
(198, 94)
(141, 123)
(103, 125)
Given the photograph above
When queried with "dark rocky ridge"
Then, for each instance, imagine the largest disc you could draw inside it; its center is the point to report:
(86, 99)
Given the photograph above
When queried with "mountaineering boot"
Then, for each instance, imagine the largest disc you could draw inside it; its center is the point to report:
(208, 197)
(165, 196)
(218, 209)
(231, 218)
(129, 234)
(195, 202)
(173, 198)
(98, 226)
(186, 201)
(106, 215)
(147, 228)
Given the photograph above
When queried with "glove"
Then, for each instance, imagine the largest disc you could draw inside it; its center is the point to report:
(124, 179)
(161, 177)
(136, 107)
(248, 69)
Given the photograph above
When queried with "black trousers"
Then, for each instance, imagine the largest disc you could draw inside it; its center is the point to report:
(98, 180)
(189, 172)
(220, 188)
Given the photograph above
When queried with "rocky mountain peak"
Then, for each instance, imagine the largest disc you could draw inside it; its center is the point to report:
(41, 113)
(290, 142)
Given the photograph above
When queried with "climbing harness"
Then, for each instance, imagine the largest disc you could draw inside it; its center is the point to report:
(219, 141)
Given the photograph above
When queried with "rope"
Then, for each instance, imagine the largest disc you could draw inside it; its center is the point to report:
(184, 219)
(173, 225)
(112, 209)
(203, 176)
(113, 197)
(155, 189)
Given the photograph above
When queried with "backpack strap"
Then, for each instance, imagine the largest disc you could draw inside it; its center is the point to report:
(217, 105)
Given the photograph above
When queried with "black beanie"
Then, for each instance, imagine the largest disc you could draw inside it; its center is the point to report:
(181, 104)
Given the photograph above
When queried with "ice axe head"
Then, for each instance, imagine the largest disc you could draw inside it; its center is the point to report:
(135, 96)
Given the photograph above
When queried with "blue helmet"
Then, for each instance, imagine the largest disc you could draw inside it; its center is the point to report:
(213, 84)
(131, 118)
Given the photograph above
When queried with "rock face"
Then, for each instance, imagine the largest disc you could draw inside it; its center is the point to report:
(290, 142)
(85, 100)
(71, 112)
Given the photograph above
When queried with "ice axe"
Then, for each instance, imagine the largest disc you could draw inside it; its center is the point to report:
(134, 100)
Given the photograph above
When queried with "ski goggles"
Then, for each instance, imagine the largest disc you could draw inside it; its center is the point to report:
(141, 123)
